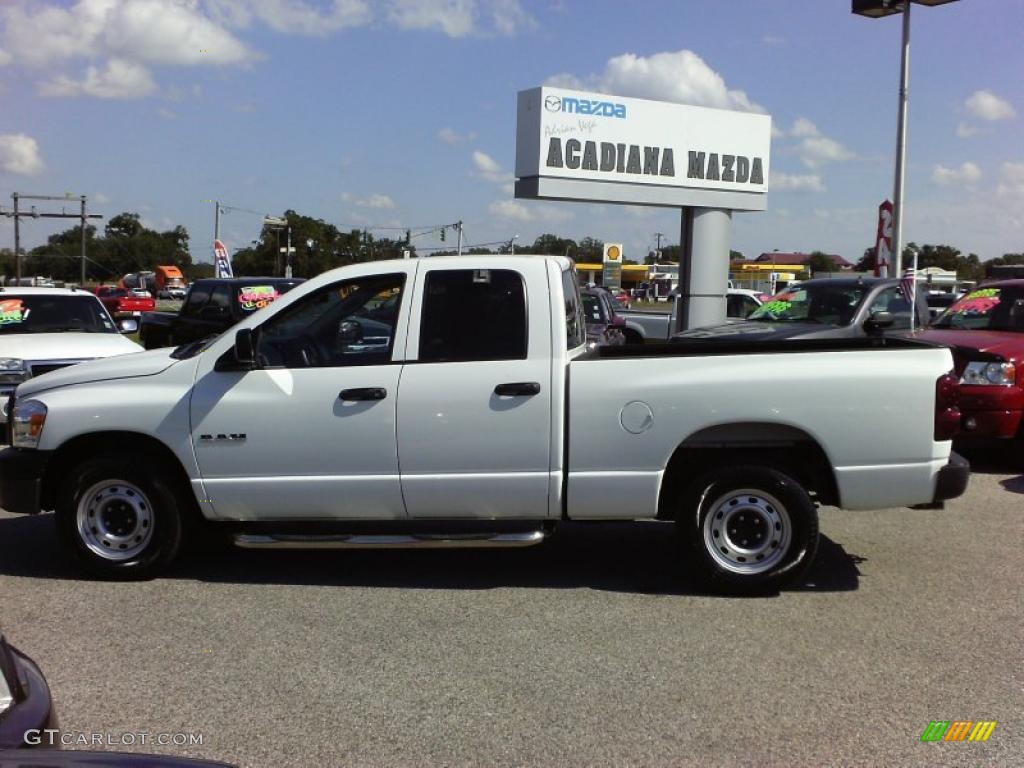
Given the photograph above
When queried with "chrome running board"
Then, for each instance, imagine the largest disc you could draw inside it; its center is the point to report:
(390, 541)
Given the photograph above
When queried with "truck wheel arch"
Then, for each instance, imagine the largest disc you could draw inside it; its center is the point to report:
(779, 446)
(92, 444)
(636, 328)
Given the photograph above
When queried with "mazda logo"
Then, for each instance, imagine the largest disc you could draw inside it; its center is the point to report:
(553, 104)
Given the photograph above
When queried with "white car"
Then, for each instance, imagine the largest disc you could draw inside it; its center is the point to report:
(43, 329)
(476, 416)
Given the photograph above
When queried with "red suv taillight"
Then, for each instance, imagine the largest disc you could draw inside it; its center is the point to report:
(947, 411)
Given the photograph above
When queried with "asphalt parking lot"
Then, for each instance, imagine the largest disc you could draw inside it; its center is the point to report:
(589, 650)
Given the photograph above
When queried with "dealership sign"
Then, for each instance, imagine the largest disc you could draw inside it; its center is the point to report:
(572, 145)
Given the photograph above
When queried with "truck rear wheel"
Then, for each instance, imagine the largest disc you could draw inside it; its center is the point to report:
(748, 529)
(120, 516)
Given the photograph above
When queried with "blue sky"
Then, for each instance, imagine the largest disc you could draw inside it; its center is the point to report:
(402, 112)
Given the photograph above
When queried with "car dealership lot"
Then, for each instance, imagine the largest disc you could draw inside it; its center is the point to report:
(586, 650)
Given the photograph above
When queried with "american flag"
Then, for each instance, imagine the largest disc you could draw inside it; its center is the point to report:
(907, 283)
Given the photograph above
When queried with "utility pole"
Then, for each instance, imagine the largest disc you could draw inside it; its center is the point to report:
(82, 283)
(17, 214)
(658, 235)
(458, 226)
(216, 220)
(17, 240)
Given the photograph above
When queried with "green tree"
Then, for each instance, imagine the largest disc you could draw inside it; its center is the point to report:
(866, 263)
(820, 262)
(590, 249)
(553, 245)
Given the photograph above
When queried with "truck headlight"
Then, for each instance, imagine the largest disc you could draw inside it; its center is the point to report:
(27, 422)
(12, 370)
(989, 374)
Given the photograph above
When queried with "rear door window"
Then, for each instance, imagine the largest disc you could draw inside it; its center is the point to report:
(473, 314)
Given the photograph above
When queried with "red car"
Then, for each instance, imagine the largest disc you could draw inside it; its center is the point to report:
(985, 328)
(120, 301)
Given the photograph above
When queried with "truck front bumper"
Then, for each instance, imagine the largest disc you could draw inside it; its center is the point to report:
(21, 479)
(952, 479)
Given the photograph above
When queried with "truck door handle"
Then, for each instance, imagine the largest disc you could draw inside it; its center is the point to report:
(363, 393)
(521, 388)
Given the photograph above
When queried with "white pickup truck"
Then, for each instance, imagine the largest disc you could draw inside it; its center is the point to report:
(453, 401)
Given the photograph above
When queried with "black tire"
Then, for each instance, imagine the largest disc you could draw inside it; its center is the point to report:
(131, 512)
(764, 533)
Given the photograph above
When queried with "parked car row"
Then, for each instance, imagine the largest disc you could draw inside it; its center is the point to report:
(122, 301)
(984, 328)
(45, 329)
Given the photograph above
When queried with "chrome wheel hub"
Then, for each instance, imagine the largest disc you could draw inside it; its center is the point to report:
(115, 520)
(747, 531)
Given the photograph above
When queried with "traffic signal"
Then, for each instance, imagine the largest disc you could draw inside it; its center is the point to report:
(408, 236)
(443, 230)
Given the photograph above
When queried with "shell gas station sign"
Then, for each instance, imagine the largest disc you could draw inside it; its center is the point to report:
(611, 272)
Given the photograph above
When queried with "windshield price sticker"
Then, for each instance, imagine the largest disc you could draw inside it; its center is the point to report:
(253, 297)
(977, 302)
(12, 311)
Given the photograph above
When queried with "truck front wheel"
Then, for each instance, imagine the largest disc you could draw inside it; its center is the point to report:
(748, 529)
(119, 516)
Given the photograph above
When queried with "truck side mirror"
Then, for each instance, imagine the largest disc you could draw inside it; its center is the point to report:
(245, 348)
(879, 320)
(127, 325)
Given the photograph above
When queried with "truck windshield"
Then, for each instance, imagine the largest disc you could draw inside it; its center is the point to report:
(822, 303)
(986, 309)
(40, 313)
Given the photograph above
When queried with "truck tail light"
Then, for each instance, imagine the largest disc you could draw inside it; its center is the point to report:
(947, 410)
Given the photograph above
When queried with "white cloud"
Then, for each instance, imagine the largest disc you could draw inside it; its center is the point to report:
(508, 17)
(802, 127)
(100, 198)
(167, 114)
(461, 18)
(19, 154)
(965, 130)
(679, 76)
(293, 16)
(157, 31)
(487, 168)
(455, 18)
(986, 105)
(5, 57)
(815, 151)
(370, 201)
(453, 137)
(514, 210)
(772, 40)
(485, 163)
(119, 80)
(1011, 182)
(967, 173)
(810, 182)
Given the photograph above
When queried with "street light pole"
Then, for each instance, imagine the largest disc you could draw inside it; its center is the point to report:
(878, 9)
(901, 147)
(288, 254)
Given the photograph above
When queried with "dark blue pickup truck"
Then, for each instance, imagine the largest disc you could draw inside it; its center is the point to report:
(211, 307)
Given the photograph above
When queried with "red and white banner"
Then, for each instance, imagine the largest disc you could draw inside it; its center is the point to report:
(883, 240)
(221, 260)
